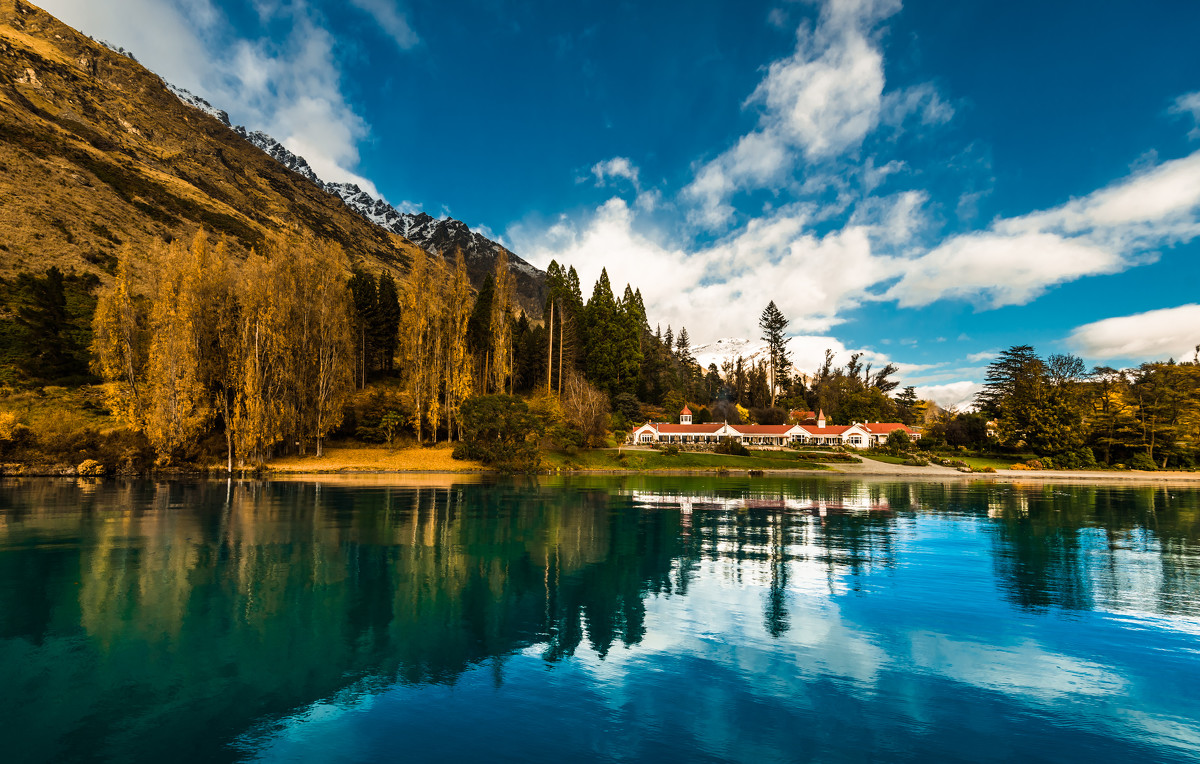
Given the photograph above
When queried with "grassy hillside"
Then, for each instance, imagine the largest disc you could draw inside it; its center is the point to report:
(96, 153)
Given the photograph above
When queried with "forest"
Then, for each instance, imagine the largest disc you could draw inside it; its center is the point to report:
(204, 357)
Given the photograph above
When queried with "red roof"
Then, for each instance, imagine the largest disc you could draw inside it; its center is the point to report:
(686, 411)
(688, 429)
(884, 428)
(831, 430)
(762, 429)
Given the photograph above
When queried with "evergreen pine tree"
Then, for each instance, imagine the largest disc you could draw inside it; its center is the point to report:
(387, 321)
(42, 315)
(603, 335)
(364, 302)
(772, 323)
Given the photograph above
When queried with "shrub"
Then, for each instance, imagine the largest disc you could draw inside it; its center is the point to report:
(1086, 457)
(731, 447)
(13, 434)
(986, 469)
(898, 441)
(915, 461)
(1142, 461)
(500, 430)
(91, 468)
(670, 450)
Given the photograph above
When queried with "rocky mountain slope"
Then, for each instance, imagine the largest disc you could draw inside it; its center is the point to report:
(438, 236)
(97, 152)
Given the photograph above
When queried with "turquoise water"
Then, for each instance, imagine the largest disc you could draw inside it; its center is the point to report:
(614, 619)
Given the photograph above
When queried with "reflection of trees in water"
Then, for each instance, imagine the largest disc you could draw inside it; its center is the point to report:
(231, 603)
(758, 535)
(1108, 547)
(280, 594)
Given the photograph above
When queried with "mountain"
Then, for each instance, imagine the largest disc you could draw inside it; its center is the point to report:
(437, 236)
(721, 350)
(97, 152)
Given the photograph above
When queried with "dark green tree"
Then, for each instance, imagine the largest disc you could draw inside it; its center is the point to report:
(772, 323)
(364, 299)
(387, 321)
(41, 315)
(603, 332)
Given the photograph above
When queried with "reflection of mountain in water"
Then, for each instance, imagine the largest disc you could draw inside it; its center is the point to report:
(145, 598)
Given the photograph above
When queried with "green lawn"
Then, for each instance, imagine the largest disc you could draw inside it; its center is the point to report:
(885, 458)
(607, 459)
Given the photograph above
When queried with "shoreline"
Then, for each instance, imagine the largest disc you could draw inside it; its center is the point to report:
(872, 471)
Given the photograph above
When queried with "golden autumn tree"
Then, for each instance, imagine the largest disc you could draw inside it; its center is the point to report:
(119, 343)
(501, 323)
(457, 357)
(330, 346)
(415, 329)
(258, 408)
(216, 294)
(177, 404)
(295, 346)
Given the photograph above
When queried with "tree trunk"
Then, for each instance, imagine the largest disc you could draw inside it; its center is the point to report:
(550, 349)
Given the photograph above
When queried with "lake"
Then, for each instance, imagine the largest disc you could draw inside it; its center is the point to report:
(431, 618)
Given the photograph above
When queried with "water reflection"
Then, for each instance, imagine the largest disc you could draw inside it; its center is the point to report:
(145, 620)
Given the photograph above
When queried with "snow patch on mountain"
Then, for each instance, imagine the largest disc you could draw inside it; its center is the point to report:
(280, 154)
(196, 102)
(728, 349)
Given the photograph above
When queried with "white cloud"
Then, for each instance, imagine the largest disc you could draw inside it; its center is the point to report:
(1153, 335)
(1003, 270)
(818, 104)
(921, 100)
(390, 20)
(719, 290)
(1189, 103)
(985, 355)
(617, 167)
(1107, 231)
(289, 87)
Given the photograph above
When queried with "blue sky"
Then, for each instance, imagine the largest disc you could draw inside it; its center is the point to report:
(928, 181)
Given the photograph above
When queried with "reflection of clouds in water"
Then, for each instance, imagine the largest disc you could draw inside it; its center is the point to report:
(1025, 670)
(1165, 730)
(718, 623)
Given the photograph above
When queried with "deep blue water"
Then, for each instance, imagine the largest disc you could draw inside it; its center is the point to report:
(608, 619)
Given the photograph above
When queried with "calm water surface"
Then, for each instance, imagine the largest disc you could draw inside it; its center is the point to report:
(617, 619)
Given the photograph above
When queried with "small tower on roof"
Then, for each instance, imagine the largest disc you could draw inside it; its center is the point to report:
(685, 416)
(821, 419)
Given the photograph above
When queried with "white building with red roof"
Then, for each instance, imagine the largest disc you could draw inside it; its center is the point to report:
(857, 435)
